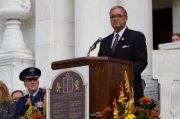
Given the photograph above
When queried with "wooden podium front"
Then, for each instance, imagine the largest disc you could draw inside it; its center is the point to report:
(105, 75)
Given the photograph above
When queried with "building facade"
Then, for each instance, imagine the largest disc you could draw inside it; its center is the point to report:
(52, 30)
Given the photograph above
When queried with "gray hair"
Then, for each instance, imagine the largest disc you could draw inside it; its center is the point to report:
(119, 7)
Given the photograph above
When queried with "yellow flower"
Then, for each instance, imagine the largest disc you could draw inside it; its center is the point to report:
(122, 100)
(130, 116)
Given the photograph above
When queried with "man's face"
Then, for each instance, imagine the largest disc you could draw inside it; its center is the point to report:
(16, 96)
(31, 85)
(118, 19)
(175, 38)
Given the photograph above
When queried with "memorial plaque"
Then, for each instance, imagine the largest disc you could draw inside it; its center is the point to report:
(67, 96)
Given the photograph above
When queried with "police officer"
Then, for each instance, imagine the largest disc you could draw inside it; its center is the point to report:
(35, 97)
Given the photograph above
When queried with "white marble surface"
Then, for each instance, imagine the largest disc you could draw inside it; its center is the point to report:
(169, 46)
(14, 56)
(10, 67)
(55, 31)
(64, 33)
(15, 9)
(91, 22)
(166, 67)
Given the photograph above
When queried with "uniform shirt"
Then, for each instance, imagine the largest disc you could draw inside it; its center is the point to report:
(23, 106)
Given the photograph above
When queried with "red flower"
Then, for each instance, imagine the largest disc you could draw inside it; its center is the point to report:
(145, 100)
(37, 116)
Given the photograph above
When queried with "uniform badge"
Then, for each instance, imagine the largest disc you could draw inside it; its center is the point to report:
(39, 104)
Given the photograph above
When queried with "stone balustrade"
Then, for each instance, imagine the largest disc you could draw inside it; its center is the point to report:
(166, 68)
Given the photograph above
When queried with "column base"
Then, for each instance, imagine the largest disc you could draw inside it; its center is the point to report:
(12, 62)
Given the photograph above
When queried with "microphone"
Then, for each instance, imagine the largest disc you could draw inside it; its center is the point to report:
(97, 41)
(94, 45)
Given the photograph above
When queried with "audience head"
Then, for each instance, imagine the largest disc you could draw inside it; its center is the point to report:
(4, 93)
(16, 95)
(175, 37)
(30, 77)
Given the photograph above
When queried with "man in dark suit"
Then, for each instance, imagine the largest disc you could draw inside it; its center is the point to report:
(129, 45)
(36, 96)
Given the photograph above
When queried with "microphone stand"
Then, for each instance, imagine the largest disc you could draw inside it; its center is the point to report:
(90, 49)
(94, 46)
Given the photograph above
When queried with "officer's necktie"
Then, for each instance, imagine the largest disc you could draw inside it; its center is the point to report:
(31, 98)
(115, 43)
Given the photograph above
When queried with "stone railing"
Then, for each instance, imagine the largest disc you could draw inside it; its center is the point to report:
(166, 68)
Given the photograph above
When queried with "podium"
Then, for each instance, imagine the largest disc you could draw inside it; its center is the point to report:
(105, 75)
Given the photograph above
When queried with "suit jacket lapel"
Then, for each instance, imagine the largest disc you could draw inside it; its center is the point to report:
(108, 44)
(110, 41)
(124, 35)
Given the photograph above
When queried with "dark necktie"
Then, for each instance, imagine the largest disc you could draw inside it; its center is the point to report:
(115, 43)
(31, 98)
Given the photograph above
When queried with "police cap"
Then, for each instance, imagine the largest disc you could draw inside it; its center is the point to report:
(31, 72)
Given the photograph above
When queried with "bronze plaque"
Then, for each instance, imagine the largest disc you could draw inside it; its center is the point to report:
(67, 97)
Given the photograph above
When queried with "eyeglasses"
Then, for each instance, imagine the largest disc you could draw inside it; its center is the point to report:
(118, 16)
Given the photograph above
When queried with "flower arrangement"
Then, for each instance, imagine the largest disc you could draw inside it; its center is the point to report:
(33, 112)
(123, 107)
(148, 109)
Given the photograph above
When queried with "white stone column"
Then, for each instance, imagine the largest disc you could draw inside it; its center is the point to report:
(14, 56)
(91, 22)
(140, 18)
(13, 37)
(176, 15)
(54, 33)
